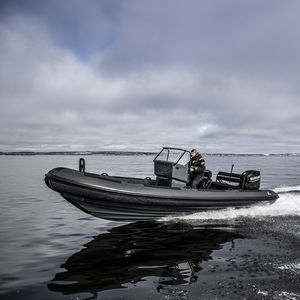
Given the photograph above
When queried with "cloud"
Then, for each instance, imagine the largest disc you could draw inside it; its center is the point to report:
(208, 75)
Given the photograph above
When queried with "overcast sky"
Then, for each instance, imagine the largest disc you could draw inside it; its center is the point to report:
(219, 75)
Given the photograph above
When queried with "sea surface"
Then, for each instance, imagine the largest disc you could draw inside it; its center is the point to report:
(51, 250)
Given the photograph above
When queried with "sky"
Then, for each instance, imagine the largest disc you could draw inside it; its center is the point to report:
(219, 76)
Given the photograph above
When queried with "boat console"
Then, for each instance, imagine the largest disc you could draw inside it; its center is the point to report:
(171, 167)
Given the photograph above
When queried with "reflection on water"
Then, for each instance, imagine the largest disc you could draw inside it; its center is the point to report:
(171, 253)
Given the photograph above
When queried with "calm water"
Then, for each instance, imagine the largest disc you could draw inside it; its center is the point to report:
(51, 250)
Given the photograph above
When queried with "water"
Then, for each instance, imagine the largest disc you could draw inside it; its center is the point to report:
(51, 250)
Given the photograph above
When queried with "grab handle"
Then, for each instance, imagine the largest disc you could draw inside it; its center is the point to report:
(81, 165)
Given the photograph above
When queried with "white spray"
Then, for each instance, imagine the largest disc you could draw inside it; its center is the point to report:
(287, 204)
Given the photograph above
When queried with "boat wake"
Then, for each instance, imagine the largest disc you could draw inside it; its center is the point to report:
(288, 204)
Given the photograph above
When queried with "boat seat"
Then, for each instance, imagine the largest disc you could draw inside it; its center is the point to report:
(223, 185)
(207, 174)
(232, 180)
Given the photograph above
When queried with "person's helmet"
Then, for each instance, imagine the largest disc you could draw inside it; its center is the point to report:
(194, 150)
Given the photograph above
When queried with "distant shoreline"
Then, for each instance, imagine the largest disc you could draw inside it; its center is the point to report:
(128, 153)
(125, 153)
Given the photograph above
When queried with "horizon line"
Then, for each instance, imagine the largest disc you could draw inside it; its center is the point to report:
(109, 152)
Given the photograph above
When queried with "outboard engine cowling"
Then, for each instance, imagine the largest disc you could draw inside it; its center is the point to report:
(251, 180)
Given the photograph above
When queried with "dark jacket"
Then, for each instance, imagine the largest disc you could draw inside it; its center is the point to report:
(197, 164)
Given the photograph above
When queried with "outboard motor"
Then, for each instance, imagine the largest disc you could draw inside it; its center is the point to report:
(251, 180)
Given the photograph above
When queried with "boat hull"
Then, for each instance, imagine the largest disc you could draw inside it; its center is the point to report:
(125, 199)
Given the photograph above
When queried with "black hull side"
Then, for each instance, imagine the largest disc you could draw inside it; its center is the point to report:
(106, 200)
(133, 212)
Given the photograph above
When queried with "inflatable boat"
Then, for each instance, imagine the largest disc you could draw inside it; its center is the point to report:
(132, 199)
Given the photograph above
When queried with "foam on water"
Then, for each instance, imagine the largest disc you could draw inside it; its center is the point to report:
(292, 266)
(287, 189)
(288, 204)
